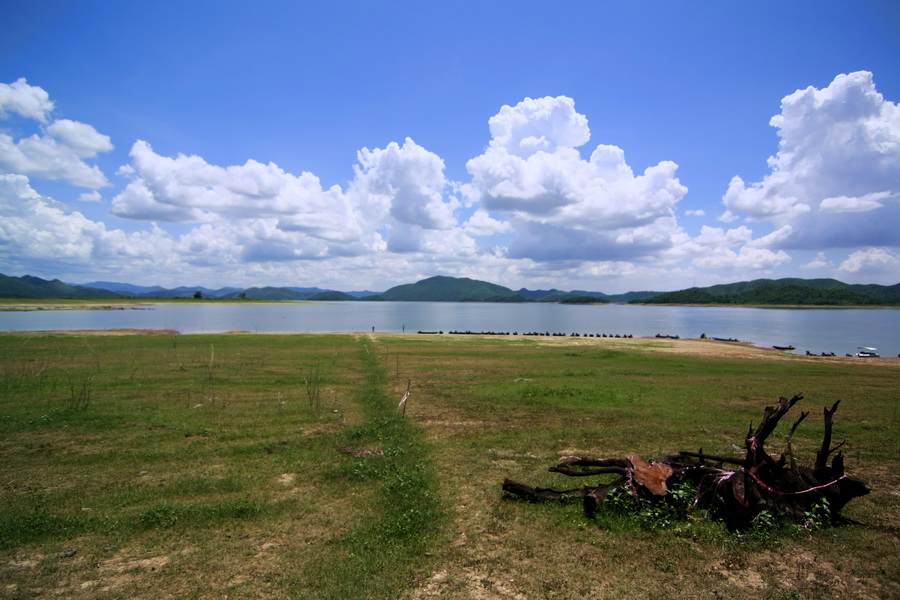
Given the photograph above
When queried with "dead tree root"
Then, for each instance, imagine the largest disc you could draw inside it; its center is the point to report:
(735, 490)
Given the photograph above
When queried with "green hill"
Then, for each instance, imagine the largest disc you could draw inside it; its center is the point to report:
(35, 287)
(449, 289)
(789, 291)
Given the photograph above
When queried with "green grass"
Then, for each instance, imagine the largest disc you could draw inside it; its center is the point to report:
(277, 466)
(377, 557)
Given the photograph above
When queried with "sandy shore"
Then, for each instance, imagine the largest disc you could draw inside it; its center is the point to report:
(25, 307)
(696, 346)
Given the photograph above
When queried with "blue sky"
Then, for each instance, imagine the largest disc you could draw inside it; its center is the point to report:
(608, 146)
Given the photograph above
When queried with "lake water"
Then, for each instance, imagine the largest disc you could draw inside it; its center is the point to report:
(809, 329)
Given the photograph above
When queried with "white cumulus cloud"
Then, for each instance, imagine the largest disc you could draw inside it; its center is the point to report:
(29, 101)
(747, 258)
(60, 149)
(35, 229)
(92, 196)
(49, 157)
(716, 236)
(561, 206)
(542, 125)
(483, 225)
(776, 239)
(864, 203)
(398, 192)
(834, 179)
(403, 188)
(819, 262)
(872, 265)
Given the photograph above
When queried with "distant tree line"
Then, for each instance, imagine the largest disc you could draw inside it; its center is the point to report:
(584, 300)
(777, 293)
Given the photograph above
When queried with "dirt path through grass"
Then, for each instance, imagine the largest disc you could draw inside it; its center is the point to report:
(387, 549)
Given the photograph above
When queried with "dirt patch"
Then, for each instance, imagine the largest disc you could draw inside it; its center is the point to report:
(120, 564)
(268, 548)
(701, 347)
(796, 573)
(467, 583)
(287, 479)
(24, 563)
(120, 571)
(745, 578)
(25, 306)
(317, 430)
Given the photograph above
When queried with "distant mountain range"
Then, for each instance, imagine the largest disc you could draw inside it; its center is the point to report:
(35, 287)
(818, 292)
(253, 293)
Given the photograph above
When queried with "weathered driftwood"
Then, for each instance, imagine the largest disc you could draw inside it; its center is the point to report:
(757, 483)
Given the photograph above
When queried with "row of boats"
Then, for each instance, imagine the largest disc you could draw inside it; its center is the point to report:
(861, 351)
(532, 333)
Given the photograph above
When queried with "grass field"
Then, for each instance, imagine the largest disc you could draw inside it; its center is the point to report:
(277, 466)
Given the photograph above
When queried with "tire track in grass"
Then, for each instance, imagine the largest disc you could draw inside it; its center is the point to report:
(380, 557)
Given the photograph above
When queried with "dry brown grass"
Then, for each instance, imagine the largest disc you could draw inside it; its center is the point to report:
(504, 549)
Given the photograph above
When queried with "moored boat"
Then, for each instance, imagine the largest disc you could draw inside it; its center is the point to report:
(867, 352)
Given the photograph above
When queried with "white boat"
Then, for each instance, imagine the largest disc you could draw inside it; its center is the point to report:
(866, 352)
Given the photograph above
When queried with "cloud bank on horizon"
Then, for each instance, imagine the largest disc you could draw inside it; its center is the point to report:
(543, 205)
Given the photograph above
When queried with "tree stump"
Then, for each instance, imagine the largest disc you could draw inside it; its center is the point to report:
(734, 490)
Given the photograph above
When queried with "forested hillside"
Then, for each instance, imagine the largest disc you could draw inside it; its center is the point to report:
(35, 287)
(795, 292)
(449, 289)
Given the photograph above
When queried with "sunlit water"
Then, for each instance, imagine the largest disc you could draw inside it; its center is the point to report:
(816, 330)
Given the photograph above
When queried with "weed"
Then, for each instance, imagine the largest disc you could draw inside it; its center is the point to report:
(313, 383)
(80, 385)
(165, 516)
(210, 365)
(20, 530)
(644, 513)
(819, 515)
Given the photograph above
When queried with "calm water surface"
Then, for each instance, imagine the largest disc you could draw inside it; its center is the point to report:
(815, 330)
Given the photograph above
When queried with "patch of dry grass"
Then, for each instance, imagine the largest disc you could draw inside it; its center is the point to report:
(496, 410)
